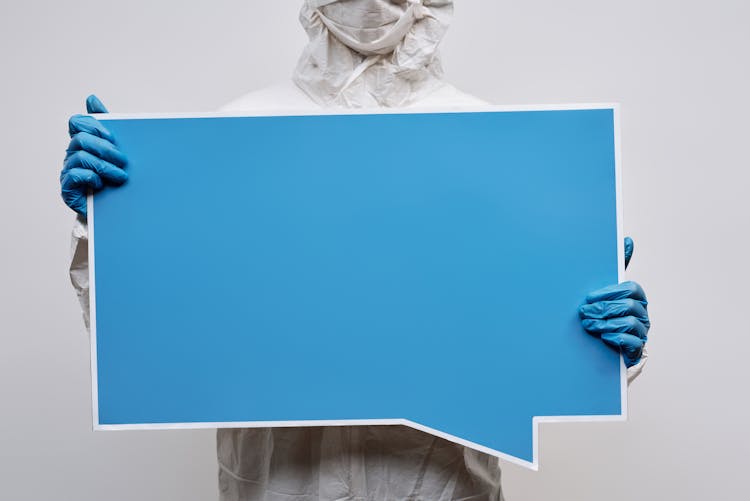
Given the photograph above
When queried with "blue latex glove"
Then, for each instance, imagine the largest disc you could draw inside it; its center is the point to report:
(92, 160)
(618, 314)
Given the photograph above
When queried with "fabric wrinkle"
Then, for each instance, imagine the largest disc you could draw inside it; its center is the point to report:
(405, 35)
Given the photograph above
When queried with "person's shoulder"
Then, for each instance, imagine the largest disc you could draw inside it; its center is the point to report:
(448, 95)
(283, 96)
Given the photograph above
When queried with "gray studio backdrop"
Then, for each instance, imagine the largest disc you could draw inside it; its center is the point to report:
(680, 70)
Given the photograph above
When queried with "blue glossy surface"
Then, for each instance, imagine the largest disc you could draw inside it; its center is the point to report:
(419, 266)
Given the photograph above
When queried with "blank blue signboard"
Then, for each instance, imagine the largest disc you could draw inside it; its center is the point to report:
(418, 268)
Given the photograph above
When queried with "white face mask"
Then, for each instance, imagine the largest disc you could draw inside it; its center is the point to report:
(370, 26)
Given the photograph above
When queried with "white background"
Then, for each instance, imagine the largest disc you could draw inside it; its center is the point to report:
(680, 70)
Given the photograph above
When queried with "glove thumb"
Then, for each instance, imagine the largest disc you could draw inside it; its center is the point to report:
(628, 251)
(94, 105)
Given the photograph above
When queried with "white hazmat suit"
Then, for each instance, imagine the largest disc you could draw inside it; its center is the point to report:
(361, 53)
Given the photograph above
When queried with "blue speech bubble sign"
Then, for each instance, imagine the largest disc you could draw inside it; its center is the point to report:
(392, 268)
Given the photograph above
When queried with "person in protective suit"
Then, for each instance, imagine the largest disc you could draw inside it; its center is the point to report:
(361, 53)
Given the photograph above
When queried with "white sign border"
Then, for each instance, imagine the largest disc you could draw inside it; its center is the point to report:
(536, 420)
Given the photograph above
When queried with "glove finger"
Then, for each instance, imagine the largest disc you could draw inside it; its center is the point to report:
(94, 105)
(618, 291)
(616, 308)
(628, 325)
(110, 173)
(84, 123)
(630, 346)
(98, 147)
(628, 251)
(75, 184)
